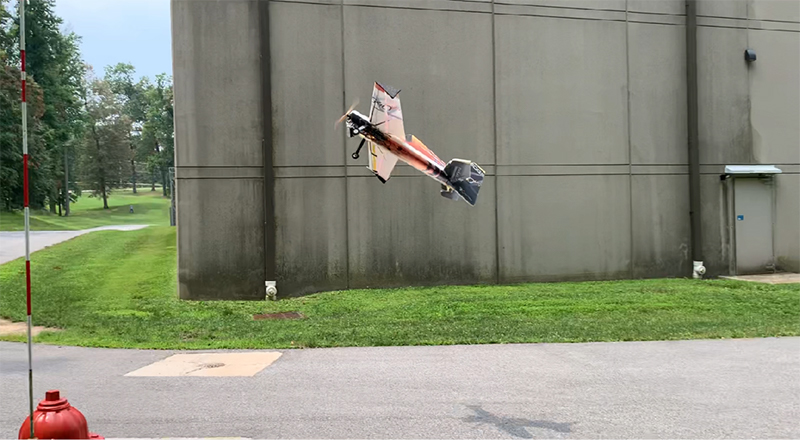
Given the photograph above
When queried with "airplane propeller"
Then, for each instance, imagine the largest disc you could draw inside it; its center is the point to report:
(344, 116)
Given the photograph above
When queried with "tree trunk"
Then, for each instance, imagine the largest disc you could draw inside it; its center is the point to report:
(66, 184)
(153, 188)
(164, 181)
(133, 172)
(105, 198)
(52, 200)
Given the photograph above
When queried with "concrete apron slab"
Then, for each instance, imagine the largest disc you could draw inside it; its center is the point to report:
(209, 365)
(773, 278)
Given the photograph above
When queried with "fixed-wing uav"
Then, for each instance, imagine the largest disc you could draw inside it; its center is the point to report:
(384, 134)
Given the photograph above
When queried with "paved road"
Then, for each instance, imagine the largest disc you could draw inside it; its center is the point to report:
(13, 243)
(680, 389)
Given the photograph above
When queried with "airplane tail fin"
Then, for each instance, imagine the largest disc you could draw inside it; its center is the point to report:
(466, 177)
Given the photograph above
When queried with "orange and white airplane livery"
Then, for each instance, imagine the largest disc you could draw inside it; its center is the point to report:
(387, 142)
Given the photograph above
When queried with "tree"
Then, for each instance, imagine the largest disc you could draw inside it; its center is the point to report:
(11, 190)
(106, 142)
(158, 130)
(133, 96)
(53, 61)
(11, 173)
(6, 41)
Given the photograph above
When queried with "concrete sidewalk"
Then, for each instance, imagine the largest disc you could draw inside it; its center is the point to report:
(741, 388)
(12, 244)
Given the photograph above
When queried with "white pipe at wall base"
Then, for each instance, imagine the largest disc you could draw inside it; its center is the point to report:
(698, 270)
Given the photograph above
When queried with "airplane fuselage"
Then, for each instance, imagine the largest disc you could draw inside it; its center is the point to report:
(418, 156)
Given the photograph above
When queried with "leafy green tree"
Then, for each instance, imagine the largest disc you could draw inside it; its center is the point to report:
(11, 172)
(106, 144)
(133, 95)
(6, 42)
(158, 130)
(53, 61)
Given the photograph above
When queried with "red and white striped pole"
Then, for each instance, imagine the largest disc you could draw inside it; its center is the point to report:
(25, 189)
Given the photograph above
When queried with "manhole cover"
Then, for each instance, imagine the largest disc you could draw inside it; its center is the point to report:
(279, 315)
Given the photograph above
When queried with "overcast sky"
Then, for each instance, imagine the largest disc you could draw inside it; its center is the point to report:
(114, 31)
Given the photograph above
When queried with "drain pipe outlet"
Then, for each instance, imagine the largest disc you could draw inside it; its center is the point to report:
(698, 269)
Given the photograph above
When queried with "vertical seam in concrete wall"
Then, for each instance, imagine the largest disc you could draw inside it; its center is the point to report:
(266, 141)
(630, 149)
(496, 165)
(346, 177)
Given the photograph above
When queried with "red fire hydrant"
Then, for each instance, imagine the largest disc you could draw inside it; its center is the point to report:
(56, 418)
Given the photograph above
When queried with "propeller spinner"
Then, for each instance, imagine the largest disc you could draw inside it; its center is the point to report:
(344, 116)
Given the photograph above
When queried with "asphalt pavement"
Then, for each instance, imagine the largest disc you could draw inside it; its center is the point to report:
(675, 389)
(12, 244)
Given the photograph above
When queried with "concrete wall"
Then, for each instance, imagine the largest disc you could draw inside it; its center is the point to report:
(575, 108)
(218, 149)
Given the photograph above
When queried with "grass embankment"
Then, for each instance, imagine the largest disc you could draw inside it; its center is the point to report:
(118, 289)
(149, 208)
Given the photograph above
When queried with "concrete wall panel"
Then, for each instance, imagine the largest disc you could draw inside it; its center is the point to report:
(782, 10)
(787, 222)
(676, 7)
(775, 96)
(561, 87)
(723, 96)
(221, 239)
(616, 5)
(441, 61)
(661, 226)
(404, 233)
(564, 227)
(216, 53)
(307, 96)
(311, 234)
(723, 8)
(658, 75)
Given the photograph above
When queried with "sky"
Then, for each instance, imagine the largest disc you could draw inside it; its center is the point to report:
(121, 31)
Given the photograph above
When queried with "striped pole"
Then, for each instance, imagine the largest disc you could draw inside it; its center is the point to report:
(26, 197)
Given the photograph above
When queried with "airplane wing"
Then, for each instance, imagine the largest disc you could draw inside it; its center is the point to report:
(386, 112)
(387, 115)
(381, 161)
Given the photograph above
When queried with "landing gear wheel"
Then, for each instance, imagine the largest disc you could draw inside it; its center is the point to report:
(355, 155)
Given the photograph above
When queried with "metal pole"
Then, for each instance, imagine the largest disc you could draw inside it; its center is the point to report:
(26, 198)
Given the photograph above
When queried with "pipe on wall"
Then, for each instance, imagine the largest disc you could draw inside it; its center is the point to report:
(698, 270)
(269, 172)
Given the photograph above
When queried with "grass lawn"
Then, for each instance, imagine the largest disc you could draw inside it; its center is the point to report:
(118, 289)
(149, 208)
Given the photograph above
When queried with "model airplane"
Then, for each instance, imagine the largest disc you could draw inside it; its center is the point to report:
(387, 142)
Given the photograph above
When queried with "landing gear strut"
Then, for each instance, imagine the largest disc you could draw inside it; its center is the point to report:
(355, 155)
